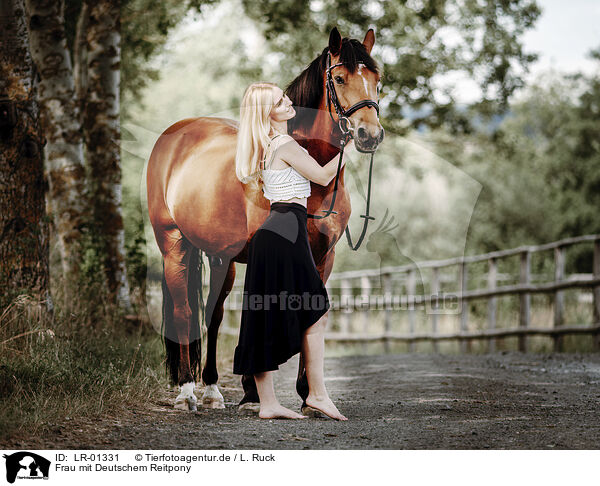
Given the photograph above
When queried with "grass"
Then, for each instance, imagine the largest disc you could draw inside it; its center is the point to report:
(84, 361)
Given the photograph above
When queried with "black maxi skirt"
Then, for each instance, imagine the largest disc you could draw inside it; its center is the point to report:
(283, 292)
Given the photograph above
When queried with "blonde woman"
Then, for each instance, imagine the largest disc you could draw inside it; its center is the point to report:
(285, 301)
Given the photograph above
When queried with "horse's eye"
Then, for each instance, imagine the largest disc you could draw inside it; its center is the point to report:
(339, 80)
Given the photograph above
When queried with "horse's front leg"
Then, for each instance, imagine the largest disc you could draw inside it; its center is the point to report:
(222, 276)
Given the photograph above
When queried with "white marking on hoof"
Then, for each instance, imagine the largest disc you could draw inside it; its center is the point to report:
(186, 400)
(212, 397)
(249, 407)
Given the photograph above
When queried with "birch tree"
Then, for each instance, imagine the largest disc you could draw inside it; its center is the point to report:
(102, 139)
(61, 122)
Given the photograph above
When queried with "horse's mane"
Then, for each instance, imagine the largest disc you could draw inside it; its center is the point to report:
(306, 90)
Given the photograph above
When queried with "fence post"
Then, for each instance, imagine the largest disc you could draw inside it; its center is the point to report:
(491, 318)
(331, 314)
(411, 289)
(525, 299)
(233, 311)
(559, 274)
(387, 316)
(345, 291)
(365, 300)
(596, 291)
(465, 344)
(435, 290)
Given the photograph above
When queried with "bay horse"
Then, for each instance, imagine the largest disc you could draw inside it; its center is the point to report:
(196, 204)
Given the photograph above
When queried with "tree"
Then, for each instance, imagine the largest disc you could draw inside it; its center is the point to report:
(61, 123)
(80, 102)
(102, 140)
(539, 167)
(23, 226)
(419, 42)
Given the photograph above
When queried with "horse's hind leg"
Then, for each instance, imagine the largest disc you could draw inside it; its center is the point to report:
(177, 326)
(222, 276)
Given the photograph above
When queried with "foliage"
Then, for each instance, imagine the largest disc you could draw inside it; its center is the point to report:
(136, 264)
(419, 41)
(540, 168)
(145, 27)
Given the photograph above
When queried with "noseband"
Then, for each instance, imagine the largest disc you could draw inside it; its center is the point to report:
(346, 128)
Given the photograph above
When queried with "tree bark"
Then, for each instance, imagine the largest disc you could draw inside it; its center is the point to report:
(80, 55)
(24, 266)
(102, 135)
(62, 127)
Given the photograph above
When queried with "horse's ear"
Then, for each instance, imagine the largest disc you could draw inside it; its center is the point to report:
(335, 42)
(369, 40)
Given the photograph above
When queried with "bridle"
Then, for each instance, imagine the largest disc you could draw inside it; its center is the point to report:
(332, 99)
(345, 127)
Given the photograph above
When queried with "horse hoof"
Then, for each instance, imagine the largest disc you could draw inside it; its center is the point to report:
(311, 412)
(212, 397)
(249, 407)
(211, 403)
(186, 400)
(186, 403)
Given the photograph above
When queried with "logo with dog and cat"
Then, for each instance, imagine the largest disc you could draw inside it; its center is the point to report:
(26, 465)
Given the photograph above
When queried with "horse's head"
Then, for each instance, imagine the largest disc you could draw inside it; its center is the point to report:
(353, 80)
(353, 87)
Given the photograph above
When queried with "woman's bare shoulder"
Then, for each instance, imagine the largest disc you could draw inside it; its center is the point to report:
(289, 145)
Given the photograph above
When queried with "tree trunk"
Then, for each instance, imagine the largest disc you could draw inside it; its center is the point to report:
(62, 127)
(102, 135)
(80, 55)
(23, 223)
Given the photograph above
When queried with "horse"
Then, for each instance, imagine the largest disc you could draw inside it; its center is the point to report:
(196, 204)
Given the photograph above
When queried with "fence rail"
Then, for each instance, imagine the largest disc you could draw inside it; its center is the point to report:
(351, 315)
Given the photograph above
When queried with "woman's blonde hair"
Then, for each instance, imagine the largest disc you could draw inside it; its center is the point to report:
(253, 134)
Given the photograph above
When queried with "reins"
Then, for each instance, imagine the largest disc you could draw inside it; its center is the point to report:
(344, 125)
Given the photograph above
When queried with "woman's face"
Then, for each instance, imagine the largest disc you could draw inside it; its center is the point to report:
(282, 109)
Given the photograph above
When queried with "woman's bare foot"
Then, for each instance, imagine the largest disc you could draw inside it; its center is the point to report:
(278, 411)
(324, 405)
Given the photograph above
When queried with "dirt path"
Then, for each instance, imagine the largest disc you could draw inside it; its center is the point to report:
(407, 401)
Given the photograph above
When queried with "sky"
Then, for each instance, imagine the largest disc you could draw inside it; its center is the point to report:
(562, 37)
(564, 33)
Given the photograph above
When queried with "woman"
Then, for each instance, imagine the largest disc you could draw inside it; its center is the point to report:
(281, 270)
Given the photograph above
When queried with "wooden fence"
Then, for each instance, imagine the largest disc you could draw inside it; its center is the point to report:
(353, 312)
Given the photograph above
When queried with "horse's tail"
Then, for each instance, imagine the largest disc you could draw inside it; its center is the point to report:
(196, 303)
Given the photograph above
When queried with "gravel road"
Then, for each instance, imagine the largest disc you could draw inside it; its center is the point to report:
(404, 401)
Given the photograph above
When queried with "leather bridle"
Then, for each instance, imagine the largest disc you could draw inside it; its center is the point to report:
(345, 125)
(332, 99)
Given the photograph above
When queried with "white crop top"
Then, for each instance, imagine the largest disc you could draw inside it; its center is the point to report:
(283, 184)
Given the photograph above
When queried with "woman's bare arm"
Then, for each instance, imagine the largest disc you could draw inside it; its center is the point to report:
(291, 153)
